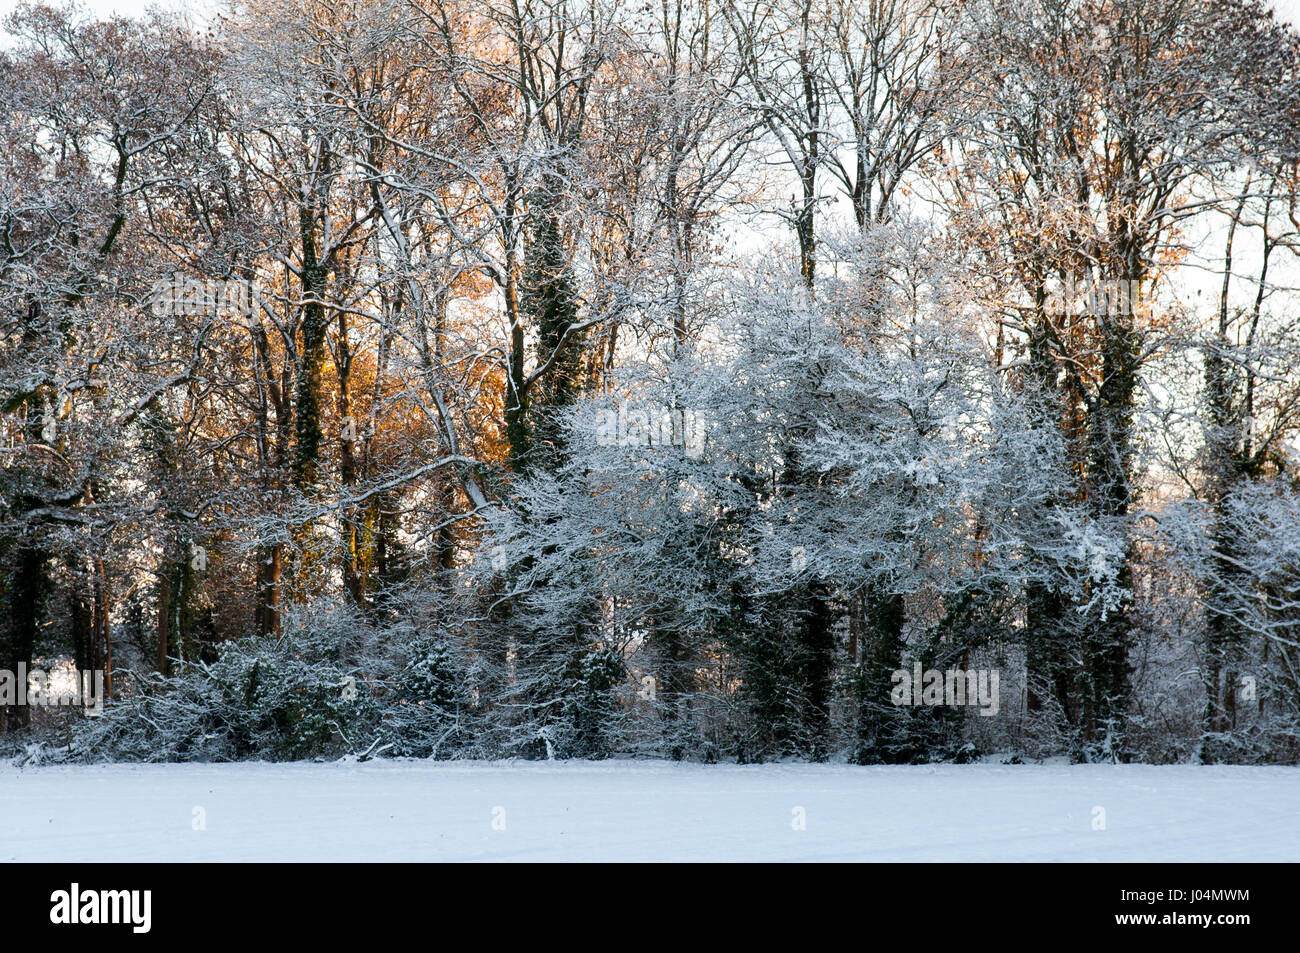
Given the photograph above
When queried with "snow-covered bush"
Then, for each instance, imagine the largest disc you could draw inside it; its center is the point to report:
(422, 710)
(271, 699)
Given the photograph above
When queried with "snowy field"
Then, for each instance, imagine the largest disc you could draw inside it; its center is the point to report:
(647, 811)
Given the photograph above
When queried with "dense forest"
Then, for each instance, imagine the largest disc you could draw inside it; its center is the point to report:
(604, 378)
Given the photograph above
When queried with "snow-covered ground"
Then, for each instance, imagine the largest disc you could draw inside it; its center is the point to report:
(647, 811)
